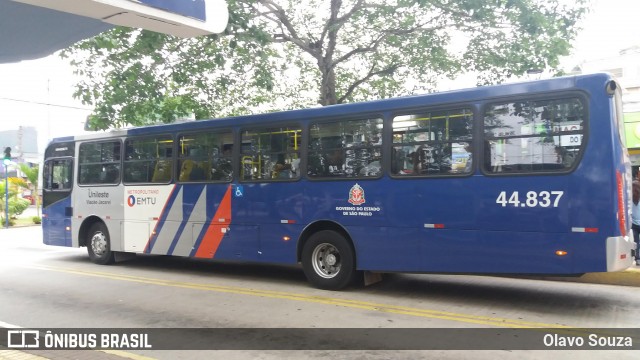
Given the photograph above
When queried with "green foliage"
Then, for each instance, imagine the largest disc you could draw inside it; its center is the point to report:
(12, 194)
(135, 77)
(283, 54)
(36, 220)
(17, 206)
(32, 174)
(3, 222)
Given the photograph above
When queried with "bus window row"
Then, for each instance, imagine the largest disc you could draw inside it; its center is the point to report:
(518, 137)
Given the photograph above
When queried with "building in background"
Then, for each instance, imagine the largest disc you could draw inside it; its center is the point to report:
(24, 146)
(626, 68)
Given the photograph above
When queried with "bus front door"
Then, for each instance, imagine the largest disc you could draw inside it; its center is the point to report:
(56, 201)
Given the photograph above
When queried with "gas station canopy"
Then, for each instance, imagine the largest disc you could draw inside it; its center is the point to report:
(31, 29)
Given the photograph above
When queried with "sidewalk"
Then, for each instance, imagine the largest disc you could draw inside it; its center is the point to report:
(30, 212)
(629, 277)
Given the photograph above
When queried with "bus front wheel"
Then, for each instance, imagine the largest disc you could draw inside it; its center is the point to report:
(99, 245)
(328, 260)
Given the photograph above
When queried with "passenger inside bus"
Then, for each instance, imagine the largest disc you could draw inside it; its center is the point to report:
(221, 168)
(162, 171)
(194, 168)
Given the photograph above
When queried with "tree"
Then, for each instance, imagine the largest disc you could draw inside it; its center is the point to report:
(16, 205)
(32, 174)
(136, 77)
(281, 54)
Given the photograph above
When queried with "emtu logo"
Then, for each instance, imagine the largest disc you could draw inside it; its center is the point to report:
(132, 200)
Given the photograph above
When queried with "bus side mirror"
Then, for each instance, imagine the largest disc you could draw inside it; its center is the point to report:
(612, 86)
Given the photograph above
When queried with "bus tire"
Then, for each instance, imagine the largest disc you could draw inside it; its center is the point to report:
(328, 260)
(99, 245)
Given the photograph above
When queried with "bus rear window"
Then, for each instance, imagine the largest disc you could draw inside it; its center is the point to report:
(533, 136)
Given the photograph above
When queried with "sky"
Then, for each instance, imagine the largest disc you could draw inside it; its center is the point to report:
(39, 93)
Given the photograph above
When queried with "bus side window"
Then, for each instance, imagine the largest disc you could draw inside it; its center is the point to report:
(346, 149)
(99, 162)
(200, 157)
(270, 153)
(533, 136)
(148, 159)
(432, 143)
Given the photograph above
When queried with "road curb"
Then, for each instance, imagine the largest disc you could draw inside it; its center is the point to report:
(629, 277)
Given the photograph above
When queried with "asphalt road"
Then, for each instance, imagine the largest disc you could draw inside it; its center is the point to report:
(54, 287)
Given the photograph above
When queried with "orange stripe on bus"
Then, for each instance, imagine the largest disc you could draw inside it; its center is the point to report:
(213, 237)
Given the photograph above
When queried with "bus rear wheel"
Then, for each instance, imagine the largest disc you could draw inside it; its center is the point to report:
(328, 260)
(99, 245)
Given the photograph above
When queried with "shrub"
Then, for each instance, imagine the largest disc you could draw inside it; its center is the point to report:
(37, 220)
(3, 222)
(17, 206)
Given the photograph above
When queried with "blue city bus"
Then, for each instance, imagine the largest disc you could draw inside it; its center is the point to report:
(523, 178)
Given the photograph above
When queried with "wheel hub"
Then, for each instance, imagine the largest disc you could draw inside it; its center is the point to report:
(99, 244)
(326, 260)
(331, 259)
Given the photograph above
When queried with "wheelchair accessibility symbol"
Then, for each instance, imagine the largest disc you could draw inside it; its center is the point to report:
(239, 191)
